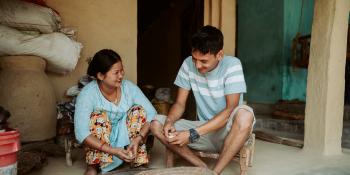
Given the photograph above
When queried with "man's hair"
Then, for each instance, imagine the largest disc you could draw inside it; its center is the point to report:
(102, 62)
(207, 40)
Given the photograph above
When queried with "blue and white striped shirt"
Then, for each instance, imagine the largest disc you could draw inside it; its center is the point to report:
(209, 89)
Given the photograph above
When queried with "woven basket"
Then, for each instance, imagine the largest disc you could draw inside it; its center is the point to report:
(178, 171)
(162, 107)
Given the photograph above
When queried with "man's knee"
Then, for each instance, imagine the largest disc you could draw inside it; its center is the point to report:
(244, 119)
(156, 127)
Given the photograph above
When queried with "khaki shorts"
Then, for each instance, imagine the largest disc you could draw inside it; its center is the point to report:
(211, 142)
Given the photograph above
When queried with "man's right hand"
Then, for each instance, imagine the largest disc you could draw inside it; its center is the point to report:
(168, 128)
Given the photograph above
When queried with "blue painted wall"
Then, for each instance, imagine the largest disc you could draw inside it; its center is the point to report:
(298, 16)
(265, 30)
(260, 48)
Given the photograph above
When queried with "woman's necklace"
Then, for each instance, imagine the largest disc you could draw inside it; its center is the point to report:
(116, 101)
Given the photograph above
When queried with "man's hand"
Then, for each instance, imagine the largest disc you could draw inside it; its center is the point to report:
(168, 128)
(181, 138)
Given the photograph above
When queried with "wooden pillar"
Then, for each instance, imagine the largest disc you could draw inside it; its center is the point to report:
(222, 14)
(326, 82)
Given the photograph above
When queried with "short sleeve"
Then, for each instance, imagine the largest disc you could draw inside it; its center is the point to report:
(234, 79)
(183, 79)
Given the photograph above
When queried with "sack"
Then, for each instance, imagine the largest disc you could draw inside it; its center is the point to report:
(28, 16)
(164, 94)
(60, 52)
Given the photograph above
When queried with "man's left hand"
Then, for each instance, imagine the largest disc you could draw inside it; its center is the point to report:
(181, 138)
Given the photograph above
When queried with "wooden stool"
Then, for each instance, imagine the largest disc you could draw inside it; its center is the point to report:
(244, 157)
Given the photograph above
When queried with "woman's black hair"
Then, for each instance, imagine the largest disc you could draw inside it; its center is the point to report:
(207, 40)
(102, 62)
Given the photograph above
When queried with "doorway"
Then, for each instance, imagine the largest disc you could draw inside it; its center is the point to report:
(165, 28)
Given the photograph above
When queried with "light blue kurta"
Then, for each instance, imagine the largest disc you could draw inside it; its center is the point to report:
(91, 99)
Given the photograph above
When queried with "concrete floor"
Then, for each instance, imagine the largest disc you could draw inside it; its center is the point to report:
(270, 159)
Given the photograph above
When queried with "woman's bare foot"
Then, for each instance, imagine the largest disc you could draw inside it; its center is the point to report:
(91, 170)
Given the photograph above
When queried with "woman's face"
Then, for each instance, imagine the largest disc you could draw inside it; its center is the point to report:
(113, 78)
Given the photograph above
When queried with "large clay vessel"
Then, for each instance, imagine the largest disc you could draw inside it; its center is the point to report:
(27, 93)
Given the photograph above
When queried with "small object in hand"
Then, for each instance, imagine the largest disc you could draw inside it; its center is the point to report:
(130, 154)
(171, 135)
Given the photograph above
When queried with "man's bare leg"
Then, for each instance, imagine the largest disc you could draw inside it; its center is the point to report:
(235, 139)
(185, 152)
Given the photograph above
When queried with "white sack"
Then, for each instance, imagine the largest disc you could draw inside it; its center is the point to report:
(60, 52)
(28, 16)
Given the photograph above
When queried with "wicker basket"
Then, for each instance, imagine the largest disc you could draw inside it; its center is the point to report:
(178, 171)
(162, 107)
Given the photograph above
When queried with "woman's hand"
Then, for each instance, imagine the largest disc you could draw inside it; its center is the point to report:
(134, 145)
(123, 154)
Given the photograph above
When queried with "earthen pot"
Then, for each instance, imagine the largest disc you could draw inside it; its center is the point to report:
(27, 93)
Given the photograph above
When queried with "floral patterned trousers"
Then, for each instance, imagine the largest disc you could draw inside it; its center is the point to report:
(100, 127)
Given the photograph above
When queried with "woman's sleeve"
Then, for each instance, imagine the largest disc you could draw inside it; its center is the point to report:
(141, 99)
(83, 109)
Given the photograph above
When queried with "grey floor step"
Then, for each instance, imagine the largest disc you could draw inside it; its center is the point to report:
(293, 129)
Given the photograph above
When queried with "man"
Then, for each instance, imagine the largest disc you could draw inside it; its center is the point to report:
(217, 83)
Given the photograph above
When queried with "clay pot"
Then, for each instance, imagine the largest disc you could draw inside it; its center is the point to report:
(27, 93)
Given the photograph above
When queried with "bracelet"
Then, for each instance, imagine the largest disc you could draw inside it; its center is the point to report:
(102, 146)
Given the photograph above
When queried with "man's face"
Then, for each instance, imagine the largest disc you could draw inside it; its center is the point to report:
(206, 62)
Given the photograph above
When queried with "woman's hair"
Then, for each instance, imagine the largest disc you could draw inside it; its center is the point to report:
(102, 62)
(208, 40)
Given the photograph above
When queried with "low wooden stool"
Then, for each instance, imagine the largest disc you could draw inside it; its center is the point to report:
(244, 157)
(69, 144)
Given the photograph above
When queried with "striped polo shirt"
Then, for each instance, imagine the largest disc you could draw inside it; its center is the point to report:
(209, 89)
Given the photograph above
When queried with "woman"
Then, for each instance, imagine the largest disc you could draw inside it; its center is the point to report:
(112, 114)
